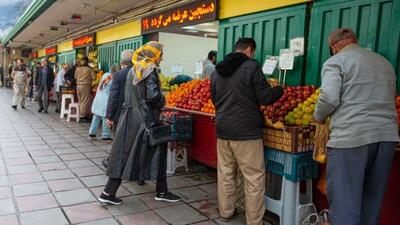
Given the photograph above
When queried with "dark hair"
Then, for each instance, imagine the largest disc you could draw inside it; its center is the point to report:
(212, 54)
(37, 63)
(85, 60)
(20, 59)
(244, 43)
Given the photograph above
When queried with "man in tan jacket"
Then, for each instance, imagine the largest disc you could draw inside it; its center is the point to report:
(84, 76)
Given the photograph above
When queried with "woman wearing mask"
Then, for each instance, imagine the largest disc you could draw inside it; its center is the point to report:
(131, 156)
(99, 105)
(19, 75)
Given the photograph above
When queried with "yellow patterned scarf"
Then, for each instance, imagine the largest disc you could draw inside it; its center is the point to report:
(145, 60)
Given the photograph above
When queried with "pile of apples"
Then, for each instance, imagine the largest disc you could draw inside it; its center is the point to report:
(291, 98)
(194, 95)
(398, 108)
(302, 114)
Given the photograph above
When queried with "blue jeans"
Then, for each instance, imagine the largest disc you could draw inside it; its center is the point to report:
(95, 123)
(356, 182)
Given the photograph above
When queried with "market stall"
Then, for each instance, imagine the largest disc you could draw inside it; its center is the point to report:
(85, 46)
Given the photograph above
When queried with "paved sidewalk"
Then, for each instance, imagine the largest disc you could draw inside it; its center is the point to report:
(51, 174)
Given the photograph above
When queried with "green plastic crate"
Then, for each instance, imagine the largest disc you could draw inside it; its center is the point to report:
(295, 167)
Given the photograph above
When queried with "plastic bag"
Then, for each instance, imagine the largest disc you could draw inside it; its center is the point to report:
(320, 140)
(316, 219)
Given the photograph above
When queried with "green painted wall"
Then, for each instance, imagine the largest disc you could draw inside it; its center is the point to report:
(272, 31)
(375, 22)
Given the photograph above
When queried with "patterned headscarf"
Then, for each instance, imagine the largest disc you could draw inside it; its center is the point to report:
(144, 60)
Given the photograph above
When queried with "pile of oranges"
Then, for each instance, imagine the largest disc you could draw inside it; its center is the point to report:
(180, 93)
(208, 107)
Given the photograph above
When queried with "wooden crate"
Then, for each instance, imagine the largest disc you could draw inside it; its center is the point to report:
(292, 139)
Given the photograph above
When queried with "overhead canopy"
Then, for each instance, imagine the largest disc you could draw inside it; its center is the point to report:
(47, 20)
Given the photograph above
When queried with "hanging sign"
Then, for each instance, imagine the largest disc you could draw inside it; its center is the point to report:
(34, 55)
(51, 50)
(286, 59)
(52, 59)
(192, 13)
(270, 65)
(297, 46)
(86, 40)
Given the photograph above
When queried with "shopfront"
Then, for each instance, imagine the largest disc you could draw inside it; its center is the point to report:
(85, 46)
(51, 54)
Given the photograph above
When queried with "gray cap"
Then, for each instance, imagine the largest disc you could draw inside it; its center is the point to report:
(126, 56)
(340, 34)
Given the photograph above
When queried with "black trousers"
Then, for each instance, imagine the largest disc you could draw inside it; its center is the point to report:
(161, 183)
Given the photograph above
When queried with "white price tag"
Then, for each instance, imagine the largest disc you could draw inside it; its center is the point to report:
(199, 68)
(286, 59)
(297, 46)
(269, 65)
(176, 69)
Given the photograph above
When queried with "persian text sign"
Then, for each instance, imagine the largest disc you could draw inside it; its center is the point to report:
(34, 54)
(196, 12)
(83, 41)
(51, 50)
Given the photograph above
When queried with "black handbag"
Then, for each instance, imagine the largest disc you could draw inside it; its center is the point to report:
(159, 133)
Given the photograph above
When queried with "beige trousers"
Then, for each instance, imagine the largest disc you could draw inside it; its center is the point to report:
(84, 93)
(19, 86)
(248, 156)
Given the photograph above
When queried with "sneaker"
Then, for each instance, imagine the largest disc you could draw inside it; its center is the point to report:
(107, 139)
(57, 111)
(140, 182)
(22, 106)
(167, 197)
(109, 199)
(40, 110)
(14, 107)
(92, 135)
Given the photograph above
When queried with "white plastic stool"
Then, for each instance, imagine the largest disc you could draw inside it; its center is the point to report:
(64, 108)
(176, 157)
(292, 207)
(73, 112)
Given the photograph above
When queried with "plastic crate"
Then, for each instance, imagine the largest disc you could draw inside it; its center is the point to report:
(295, 167)
(293, 139)
(181, 124)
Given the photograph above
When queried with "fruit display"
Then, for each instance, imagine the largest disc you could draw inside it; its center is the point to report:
(194, 95)
(302, 114)
(292, 97)
(96, 82)
(165, 83)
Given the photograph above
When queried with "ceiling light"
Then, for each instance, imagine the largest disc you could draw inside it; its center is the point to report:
(76, 17)
(189, 28)
(84, 5)
(192, 31)
(63, 23)
(41, 34)
(207, 24)
(115, 20)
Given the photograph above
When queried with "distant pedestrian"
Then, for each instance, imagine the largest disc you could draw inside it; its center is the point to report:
(209, 65)
(1, 76)
(19, 74)
(59, 82)
(44, 83)
(32, 83)
(69, 76)
(99, 105)
(84, 76)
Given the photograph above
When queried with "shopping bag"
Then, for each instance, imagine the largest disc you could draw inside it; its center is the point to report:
(320, 140)
(316, 218)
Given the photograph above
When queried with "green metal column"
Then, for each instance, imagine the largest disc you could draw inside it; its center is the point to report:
(375, 22)
(272, 31)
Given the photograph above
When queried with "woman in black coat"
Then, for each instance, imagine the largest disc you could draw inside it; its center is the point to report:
(131, 157)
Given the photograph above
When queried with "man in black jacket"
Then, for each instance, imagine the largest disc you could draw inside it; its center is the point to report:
(238, 88)
(44, 83)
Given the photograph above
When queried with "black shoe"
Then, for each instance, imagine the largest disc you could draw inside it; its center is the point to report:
(22, 106)
(14, 107)
(140, 182)
(227, 220)
(167, 197)
(105, 163)
(91, 135)
(107, 139)
(109, 199)
(57, 111)
(45, 111)
(40, 110)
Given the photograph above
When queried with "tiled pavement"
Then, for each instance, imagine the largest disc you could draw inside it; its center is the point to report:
(51, 174)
